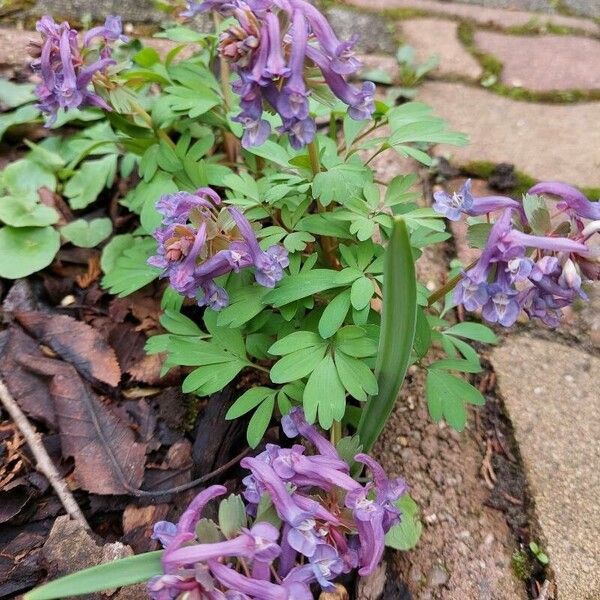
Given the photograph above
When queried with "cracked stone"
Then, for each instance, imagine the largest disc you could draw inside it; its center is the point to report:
(558, 432)
(548, 142)
(481, 14)
(439, 37)
(574, 60)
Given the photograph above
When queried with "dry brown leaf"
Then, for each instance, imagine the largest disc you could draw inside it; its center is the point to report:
(75, 342)
(90, 432)
(28, 389)
(92, 274)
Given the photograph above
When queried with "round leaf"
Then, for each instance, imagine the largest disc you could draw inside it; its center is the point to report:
(25, 177)
(26, 250)
(87, 234)
(21, 212)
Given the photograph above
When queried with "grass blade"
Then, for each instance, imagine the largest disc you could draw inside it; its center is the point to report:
(398, 324)
(127, 571)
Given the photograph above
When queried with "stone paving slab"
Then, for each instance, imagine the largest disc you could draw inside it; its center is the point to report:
(439, 37)
(482, 15)
(575, 60)
(588, 8)
(551, 394)
(551, 142)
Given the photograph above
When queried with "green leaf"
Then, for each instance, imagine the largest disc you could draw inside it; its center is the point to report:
(26, 250)
(25, 177)
(89, 180)
(260, 422)
(352, 128)
(466, 366)
(299, 340)
(147, 57)
(355, 376)
(297, 365)
(22, 212)
(16, 94)
(114, 249)
(244, 304)
(399, 192)
(87, 234)
(248, 401)
(115, 574)
(334, 315)
(361, 293)
(232, 516)
(406, 534)
(174, 322)
(23, 114)
(398, 324)
(161, 185)
(353, 341)
(348, 447)
(211, 378)
(447, 396)
(45, 158)
(422, 334)
(273, 152)
(478, 234)
(339, 183)
(473, 331)
(131, 272)
(296, 241)
(324, 394)
(537, 214)
(266, 513)
(305, 284)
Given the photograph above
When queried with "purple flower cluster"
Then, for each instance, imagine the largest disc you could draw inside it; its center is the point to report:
(330, 525)
(200, 240)
(518, 271)
(271, 59)
(60, 60)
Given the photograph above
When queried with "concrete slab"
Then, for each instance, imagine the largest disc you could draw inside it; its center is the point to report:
(551, 394)
(548, 142)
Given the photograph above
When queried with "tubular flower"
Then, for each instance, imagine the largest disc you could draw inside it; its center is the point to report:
(271, 62)
(521, 272)
(329, 526)
(66, 67)
(199, 240)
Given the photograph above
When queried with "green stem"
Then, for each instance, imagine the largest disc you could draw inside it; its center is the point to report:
(447, 287)
(225, 72)
(313, 155)
(163, 135)
(336, 432)
(333, 128)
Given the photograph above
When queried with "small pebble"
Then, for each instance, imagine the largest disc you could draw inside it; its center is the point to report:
(68, 300)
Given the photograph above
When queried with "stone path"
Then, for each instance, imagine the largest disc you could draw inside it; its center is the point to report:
(551, 393)
(550, 389)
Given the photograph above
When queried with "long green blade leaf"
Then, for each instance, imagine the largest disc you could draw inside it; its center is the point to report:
(127, 571)
(398, 324)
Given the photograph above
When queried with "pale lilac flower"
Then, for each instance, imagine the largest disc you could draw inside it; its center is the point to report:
(195, 246)
(464, 203)
(537, 274)
(271, 65)
(66, 77)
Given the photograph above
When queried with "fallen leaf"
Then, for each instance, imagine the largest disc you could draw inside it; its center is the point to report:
(12, 502)
(21, 296)
(92, 274)
(138, 523)
(89, 431)
(75, 342)
(49, 198)
(28, 389)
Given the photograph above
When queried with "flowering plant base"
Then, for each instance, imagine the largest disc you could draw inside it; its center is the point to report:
(283, 265)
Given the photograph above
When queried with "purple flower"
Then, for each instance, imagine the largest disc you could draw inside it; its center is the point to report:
(572, 200)
(65, 76)
(463, 202)
(453, 207)
(193, 228)
(111, 31)
(502, 306)
(272, 65)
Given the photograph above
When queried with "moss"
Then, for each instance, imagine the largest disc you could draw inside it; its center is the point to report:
(401, 14)
(537, 27)
(521, 565)
(485, 169)
(192, 405)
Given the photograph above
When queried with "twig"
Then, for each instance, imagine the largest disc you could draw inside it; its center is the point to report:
(545, 591)
(487, 470)
(44, 462)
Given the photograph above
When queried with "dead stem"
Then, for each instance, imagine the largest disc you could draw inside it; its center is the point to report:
(44, 462)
